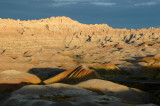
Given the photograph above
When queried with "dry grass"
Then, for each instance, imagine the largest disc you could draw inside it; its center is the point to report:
(102, 102)
(97, 90)
(58, 98)
(131, 102)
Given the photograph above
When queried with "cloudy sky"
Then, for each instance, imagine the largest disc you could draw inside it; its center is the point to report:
(116, 13)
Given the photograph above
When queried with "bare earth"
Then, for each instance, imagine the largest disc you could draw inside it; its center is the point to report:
(53, 54)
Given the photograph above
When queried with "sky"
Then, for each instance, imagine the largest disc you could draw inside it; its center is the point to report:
(128, 14)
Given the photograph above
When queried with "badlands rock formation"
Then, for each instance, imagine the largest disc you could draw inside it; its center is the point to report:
(78, 74)
(59, 49)
(56, 32)
(38, 43)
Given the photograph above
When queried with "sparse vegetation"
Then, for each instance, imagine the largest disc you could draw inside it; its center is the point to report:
(58, 98)
(131, 102)
(97, 90)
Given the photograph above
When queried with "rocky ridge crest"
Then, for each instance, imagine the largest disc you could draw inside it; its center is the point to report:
(64, 32)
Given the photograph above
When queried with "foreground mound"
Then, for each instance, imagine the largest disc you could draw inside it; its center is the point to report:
(117, 90)
(58, 94)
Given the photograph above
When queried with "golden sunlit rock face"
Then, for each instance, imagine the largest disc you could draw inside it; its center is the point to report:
(37, 43)
(63, 32)
(80, 73)
(56, 50)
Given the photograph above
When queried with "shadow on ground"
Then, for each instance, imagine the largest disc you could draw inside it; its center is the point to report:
(45, 73)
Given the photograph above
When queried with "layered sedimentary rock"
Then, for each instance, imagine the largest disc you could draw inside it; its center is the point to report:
(56, 41)
(63, 32)
(78, 74)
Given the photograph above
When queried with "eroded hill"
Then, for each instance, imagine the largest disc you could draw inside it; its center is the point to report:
(47, 42)
(59, 49)
(63, 32)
